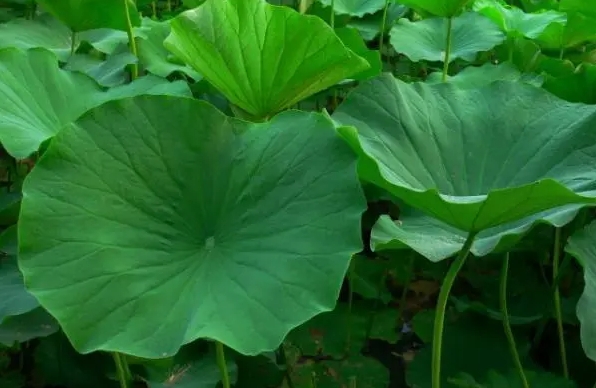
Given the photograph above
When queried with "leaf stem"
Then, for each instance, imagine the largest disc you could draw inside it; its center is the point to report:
(131, 41)
(122, 370)
(506, 325)
(454, 269)
(382, 29)
(557, 300)
(73, 42)
(447, 55)
(221, 363)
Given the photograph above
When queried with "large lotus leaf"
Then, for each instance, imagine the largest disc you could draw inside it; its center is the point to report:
(582, 245)
(437, 240)
(263, 58)
(82, 15)
(45, 32)
(43, 98)
(515, 22)
(426, 39)
(356, 8)
(205, 228)
(445, 8)
(449, 152)
(152, 53)
(477, 76)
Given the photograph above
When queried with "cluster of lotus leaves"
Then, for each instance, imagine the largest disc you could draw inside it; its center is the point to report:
(153, 219)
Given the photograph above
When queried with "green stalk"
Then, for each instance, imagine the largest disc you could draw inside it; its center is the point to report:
(454, 269)
(154, 9)
(122, 371)
(221, 363)
(447, 49)
(131, 41)
(73, 43)
(507, 326)
(383, 22)
(557, 299)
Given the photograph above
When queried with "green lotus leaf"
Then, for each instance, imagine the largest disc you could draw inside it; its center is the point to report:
(515, 22)
(206, 228)
(43, 32)
(154, 56)
(578, 29)
(438, 241)
(44, 98)
(352, 39)
(444, 8)
(25, 327)
(369, 26)
(107, 72)
(357, 8)
(15, 299)
(238, 46)
(82, 15)
(426, 39)
(448, 152)
(477, 76)
(577, 86)
(582, 245)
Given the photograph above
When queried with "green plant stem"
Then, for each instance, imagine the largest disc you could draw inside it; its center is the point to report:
(557, 300)
(447, 50)
(454, 269)
(506, 325)
(382, 29)
(131, 41)
(122, 370)
(221, 363)
(73, 43)
(154, 9)
(332, 23)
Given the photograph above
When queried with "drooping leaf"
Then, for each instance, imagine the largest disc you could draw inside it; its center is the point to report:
(437, 240)
(82, 15)
(179, 262)
(239, 47)
(582, 245)
(426, 39)
(352, 39)
(515, 22)
(109, 72)
(578, 29)
(152, 53)
(44, 98)
(24, 327)
(448, 152)
(357, 8)
(477, 76)
(15, 299)
(369, 26)
(43, 32)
